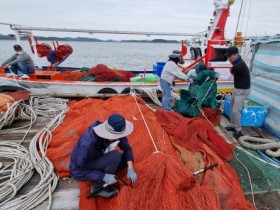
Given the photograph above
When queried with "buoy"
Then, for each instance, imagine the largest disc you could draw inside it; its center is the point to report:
(5, 101)
(231, 2)
(238, 40)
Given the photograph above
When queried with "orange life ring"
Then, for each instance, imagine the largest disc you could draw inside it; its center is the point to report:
(5, 101)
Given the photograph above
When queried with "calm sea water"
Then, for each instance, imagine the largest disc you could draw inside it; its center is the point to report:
(128, 56)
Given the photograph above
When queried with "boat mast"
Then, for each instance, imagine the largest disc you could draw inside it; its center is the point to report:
(216, 30)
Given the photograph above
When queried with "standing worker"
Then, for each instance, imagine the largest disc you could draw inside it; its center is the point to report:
(94, 157)
(169, 72)
(20, 63)
(241, 90)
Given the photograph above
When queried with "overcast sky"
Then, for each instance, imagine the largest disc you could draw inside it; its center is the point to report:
(136, 15)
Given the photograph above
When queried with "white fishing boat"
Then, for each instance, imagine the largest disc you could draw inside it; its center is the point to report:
(49, 80)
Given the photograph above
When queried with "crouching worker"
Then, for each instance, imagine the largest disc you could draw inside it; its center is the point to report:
(94, 157)
(20, 64)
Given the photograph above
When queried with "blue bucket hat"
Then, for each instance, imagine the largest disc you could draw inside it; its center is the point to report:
(114, 128)
(175, 54)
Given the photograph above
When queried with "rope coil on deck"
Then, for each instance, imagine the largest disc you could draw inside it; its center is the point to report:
(271, 148)
(26, 161)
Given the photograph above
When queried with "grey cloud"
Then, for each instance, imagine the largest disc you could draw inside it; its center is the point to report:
(145, 15)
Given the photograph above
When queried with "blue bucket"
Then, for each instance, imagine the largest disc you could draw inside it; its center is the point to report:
(250, 115)
(157, 68)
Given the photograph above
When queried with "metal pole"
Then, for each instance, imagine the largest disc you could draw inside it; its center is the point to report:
(17, 36)
(35, 51)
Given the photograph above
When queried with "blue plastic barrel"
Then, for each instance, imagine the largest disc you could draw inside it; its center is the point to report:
(159, 67)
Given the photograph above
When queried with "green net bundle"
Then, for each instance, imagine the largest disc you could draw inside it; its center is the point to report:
(201, 94)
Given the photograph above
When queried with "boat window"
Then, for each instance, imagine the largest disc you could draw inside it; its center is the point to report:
(219, 55)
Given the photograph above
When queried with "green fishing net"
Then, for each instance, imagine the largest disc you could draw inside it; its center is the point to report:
(201, 94)
(263, 176)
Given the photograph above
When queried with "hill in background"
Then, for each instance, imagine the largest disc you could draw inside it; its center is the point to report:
(86, 39)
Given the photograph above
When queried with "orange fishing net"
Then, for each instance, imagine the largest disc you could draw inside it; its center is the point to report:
(103, 73)
(165, 179)
(73, 75)
(124, 75)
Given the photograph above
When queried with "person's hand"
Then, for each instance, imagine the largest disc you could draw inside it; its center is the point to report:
(110, 179)
(7, 66)
(190, 80)
(131, 175)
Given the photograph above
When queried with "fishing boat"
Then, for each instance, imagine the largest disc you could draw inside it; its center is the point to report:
(49, 80)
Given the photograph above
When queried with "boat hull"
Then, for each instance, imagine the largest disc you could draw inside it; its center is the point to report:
(77, 88)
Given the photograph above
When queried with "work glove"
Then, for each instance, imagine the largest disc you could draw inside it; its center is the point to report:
(131, 175)
(190, 80)
(217, 75)
(110, 179)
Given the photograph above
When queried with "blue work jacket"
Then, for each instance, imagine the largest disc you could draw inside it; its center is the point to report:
(90, 147)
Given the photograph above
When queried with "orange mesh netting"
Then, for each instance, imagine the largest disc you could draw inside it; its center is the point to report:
(164, 181)
(103, 73)
(195, 134)
(73, 75)
(124, 75)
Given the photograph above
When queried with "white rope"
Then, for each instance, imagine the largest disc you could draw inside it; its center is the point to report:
(153, 94)
(249, 12)
(271, 147)
(25, 162)
(250, 180)
(14, 76)
(133, 94)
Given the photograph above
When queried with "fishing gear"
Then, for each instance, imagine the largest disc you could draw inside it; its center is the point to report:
(103, 185)
(205, 169)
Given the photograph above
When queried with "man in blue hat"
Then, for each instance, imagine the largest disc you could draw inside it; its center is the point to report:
(94, 157)
(241, 90)
(20, 64)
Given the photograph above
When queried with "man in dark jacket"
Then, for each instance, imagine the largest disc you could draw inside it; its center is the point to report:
(241, 90)
(94, 157)
(20, 63)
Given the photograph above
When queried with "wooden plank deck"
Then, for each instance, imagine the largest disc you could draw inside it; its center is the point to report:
(66, 196)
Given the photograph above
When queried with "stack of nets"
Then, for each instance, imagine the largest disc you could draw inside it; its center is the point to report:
(201, 94)
(165, 179)
(103, 73)
(74, 75)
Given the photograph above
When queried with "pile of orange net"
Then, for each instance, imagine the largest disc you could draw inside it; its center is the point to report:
(103, 73)
(165, 179)
(74, 75)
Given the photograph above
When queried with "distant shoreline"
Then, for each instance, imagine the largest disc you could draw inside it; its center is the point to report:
(85, 39)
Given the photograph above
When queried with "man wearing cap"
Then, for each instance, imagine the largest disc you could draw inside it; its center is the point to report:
(20, 64)
(194, 72)
(169, 73)
(241, 89)
(94, 157)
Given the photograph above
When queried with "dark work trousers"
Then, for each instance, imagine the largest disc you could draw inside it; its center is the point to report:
(110, 162)
(22, 68)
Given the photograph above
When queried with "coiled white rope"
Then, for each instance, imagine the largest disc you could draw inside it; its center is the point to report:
(21, 170)
(271, 148)
(18, 110)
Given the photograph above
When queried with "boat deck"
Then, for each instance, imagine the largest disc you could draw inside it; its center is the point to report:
(66, 196)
